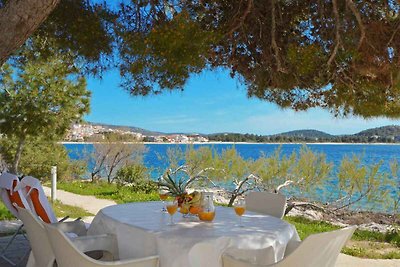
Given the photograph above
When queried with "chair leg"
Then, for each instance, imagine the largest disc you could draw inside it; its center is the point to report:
(7, 260)
(23, 257)
(3, 251)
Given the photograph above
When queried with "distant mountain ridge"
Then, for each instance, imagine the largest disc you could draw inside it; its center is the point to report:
(309, 133)
(385, 134)
(385, 131)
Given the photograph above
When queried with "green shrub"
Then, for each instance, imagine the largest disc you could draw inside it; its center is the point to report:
(136, 177)
(38, 157)
(5, 214)
(131, 174)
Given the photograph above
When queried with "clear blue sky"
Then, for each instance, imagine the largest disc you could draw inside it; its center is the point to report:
(211, 102)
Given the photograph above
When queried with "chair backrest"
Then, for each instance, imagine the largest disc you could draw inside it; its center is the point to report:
(37, 199)
(207, 253)
(37, 235)
(11, 194)
(318, 250)
(68, 255)
(267, 203)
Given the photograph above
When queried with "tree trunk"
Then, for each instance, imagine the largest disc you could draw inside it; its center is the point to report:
(17, 157)
(19, 20)
(231, 200)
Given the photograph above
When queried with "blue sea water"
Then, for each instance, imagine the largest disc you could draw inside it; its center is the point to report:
(334, 152)
(370, 153)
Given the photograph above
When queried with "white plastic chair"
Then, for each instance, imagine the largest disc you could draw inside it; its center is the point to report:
(209, 253)
(68, 254)
(37, 199)
(11, 192)
(266, 203)
(42, 252)
(318, 250)
(11, 195)
(205, 254)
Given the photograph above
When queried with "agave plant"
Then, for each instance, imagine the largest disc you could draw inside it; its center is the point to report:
(175, 186)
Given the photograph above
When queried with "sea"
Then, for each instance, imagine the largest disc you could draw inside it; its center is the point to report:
(369, 154)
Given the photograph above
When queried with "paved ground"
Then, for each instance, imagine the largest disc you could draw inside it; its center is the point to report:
(89, 203)
(17, 251)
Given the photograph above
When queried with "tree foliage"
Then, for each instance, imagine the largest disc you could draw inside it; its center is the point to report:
(304, 176)
(343, 56)
(357, 181)
(137, 177)
(109, 156)
(40, 98)
(339, 55)
(39, 155)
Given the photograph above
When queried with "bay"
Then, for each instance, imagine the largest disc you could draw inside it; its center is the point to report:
(370, 154)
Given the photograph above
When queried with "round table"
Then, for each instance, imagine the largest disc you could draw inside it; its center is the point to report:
(142, 230)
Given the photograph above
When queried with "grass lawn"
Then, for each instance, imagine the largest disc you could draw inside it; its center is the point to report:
(60, 209)
(366, 244)
(107, 191)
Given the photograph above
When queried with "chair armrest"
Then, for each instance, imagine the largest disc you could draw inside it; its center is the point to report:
(151, 261)
(292, 246)
(63, 219)
(229, 260)
(106, 242)
(77, 227)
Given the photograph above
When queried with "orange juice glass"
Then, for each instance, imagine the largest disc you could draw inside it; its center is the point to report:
(163, 194)
(240, 208)
(172, 207)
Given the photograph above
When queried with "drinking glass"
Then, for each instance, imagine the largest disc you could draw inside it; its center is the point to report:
(240, 208)
(172, 207)
(163, 194)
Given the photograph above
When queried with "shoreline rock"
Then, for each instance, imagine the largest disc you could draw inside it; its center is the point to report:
(365, 220)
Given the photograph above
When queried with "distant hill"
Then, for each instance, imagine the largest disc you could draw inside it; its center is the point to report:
(386, 134)
(385, 131)
(131, 128)
(309, 133)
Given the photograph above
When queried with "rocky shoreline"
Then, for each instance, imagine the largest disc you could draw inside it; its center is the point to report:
(365, 220)
(369, 221)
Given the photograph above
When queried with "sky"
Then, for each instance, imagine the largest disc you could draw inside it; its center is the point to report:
(211, 102)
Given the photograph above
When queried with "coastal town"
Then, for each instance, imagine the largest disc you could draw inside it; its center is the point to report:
(88, 132)
(95, 132)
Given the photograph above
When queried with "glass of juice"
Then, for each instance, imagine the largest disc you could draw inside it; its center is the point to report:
(172, 207)
(163, 194)
(240, 208)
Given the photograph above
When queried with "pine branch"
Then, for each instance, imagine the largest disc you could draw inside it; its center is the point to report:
(357, 14)
(337, 33)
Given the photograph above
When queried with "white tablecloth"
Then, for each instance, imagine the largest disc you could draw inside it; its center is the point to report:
(141, 230)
